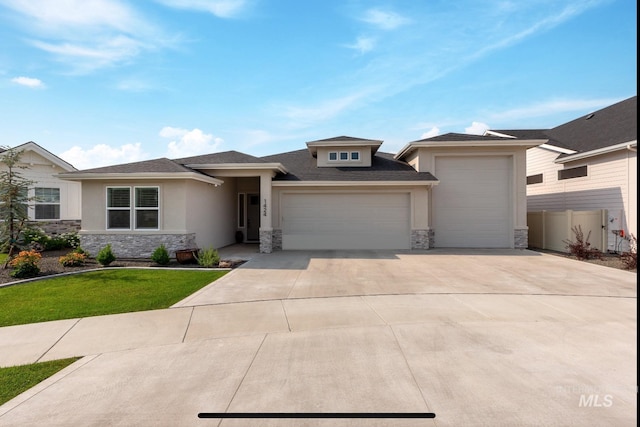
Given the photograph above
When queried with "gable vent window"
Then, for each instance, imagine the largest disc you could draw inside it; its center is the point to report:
(572, 172)
(355, 155)
(534, 179)
(344, 156)
(333, 156)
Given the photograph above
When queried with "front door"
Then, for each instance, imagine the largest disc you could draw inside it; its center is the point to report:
(253, 217)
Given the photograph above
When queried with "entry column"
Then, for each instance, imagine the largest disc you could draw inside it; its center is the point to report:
(266, 227)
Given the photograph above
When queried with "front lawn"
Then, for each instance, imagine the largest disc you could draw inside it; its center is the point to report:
(18, 379)
(99, 292)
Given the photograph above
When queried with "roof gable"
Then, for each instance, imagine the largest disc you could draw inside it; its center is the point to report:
(46, 154)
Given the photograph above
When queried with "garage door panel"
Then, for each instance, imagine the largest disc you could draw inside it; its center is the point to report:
(345, 221)
(472, 203)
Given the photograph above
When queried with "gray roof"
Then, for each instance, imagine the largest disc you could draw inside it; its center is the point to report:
(346, 138)
(616, 124)
(302, 167)
(462, 137)
(525, 133)
(219, 158)
(162, 165)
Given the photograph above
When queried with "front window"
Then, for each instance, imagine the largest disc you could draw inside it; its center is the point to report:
(47, 203)
(333, 156)
(344, 156)
(119, 208)
(147, 208)
(145, 204)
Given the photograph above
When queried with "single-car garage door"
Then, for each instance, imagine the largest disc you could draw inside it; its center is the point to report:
(345, 221)
(472, 202)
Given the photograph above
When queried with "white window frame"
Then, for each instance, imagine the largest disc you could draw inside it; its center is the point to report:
(132, 208)
(346, 155)
(335, 153)
(145, 208)
(357, 154)
(37, 203)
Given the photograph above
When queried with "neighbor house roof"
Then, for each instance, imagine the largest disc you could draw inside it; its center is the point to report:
(219, 158)
(611, 127)
(303, 167)
(32, 146)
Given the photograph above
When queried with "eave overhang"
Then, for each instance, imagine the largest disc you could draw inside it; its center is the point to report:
(353, 183)
(631, 145)
(492, 143)
(140, 176)
(275, 167)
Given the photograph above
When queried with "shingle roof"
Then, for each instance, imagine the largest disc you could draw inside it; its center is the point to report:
(462, 137)
(162, 165)
(218, 158)
(609, 126)
(345, 138)
(302, 167)
(524, 133)
(612, 125)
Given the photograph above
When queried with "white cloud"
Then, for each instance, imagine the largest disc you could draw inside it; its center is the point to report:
(219, 8)
(384, 20)
(86, 34)
(28, 81)
(363, 44)
(434, 131)
(189, 142)
(103, 155)
(476, 128)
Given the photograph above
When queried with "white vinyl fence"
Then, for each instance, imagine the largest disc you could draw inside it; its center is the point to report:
(548, 230)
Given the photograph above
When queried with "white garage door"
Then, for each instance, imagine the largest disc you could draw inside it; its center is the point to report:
(472, 203)
(345, 221)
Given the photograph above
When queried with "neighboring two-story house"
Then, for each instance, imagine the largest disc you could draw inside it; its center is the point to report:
(55, 203)
(589, 163)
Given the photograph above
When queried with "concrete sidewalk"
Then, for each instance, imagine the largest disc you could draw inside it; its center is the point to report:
(476, 337)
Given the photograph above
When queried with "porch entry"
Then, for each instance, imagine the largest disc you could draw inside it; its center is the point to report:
(252, 213)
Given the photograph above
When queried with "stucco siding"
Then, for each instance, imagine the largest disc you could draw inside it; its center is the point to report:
(210, 212)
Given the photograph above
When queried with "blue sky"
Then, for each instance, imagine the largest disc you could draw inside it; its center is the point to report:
(101, 82)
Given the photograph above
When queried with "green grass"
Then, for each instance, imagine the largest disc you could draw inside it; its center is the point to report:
(99, 292)
(18, 379)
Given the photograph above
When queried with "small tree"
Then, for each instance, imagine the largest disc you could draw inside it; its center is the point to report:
(14, 200)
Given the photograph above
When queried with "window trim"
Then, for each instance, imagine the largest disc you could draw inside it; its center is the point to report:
(571, 173)
(335, 153)
(37, 203)
(346, 155)
(145, 208)
(132, 208)
(357, 159)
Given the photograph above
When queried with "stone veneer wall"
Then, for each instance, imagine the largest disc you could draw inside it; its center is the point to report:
(136, 245)
(521, 238)
(53, 228)
(421, 239)
(276, 240)
(266, 241)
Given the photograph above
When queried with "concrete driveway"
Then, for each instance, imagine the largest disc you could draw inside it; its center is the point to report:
(478, 337)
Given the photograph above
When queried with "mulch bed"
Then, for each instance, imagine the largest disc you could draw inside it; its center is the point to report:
(50, 265)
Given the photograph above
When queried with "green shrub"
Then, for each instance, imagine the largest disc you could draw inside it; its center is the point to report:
(25, 265)
(105, 256)
(37, 238)
(160, 255)
(208, 257)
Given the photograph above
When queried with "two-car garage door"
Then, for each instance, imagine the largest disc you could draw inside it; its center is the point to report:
(345, 220)
(472, 205)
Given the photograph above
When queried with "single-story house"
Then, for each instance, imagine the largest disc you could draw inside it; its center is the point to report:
(453, 190)
(55, 203)
(589, 163)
